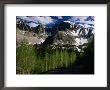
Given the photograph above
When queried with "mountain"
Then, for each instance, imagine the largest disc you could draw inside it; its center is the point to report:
(68, 34)
(57, 30)
(33, 21)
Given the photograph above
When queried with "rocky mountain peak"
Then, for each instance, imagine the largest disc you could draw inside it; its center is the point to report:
(61, 32)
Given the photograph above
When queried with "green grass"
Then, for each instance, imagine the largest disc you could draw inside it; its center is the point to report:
(32, 61)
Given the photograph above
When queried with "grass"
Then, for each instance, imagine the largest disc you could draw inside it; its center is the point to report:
(30, 60)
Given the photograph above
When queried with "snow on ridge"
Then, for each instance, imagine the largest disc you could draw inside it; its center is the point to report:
(48, 19)
(85, 22)
(37, 19)
(32, 24)
(80, 41)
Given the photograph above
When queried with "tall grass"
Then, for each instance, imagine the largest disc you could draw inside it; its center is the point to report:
(33, 61)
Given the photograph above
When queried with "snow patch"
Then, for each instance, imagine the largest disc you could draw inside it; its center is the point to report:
(80, 41)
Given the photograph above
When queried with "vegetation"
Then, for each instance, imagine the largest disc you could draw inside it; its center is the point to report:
(58, 53)
(31, 60)
(25, 59)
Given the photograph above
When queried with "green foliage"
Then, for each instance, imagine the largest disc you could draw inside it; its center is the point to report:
(32, 61)
(87, 58)
(25, 59)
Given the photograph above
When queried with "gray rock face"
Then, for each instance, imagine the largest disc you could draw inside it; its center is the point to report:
(64, 37)
(29, 37)
(66, 33)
